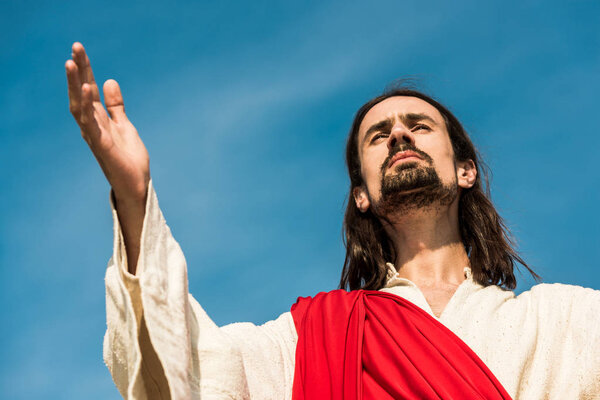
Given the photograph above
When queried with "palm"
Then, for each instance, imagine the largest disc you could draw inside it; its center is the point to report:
(120, 152)
(111, 137)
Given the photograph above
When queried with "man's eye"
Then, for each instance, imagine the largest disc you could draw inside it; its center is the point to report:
(377, 136)
(419, 127)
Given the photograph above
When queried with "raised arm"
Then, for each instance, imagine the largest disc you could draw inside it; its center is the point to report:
(115, 143)
(159, 342)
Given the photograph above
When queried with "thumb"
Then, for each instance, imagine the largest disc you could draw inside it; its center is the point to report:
(114, 100)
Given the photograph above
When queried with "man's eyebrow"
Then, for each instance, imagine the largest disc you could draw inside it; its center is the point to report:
(414, 117)
(378, 126)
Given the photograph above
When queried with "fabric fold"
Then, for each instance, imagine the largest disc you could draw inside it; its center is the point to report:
(160, 342)
(375, 345)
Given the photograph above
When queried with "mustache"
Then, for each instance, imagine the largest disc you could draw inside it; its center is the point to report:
(404, 147)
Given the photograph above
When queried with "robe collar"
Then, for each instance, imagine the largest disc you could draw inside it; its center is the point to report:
(394, 280)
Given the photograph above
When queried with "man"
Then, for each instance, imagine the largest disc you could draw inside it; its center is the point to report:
(433, 318)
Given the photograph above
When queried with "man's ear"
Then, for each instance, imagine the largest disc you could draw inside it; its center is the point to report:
(466, 173)
(361, 198)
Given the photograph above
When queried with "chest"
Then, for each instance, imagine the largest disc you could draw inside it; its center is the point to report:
(438, 297)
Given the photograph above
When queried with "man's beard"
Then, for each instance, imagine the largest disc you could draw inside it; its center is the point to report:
(413, 186)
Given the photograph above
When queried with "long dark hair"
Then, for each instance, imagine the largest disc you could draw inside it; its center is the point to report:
(486, 238)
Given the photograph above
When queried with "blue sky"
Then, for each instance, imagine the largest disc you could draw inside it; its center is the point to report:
(244, 107)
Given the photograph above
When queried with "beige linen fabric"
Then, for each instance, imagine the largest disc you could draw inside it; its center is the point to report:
(160, 344)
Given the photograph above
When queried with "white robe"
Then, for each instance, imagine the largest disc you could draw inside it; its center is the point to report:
(159, 343)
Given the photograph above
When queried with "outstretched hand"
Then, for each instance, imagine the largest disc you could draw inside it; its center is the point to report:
(112, 138)
(115, 144)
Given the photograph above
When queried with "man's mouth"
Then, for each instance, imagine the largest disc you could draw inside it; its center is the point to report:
(403, 156)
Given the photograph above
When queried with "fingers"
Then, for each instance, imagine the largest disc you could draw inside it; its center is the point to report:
(85, 69)
(74, 87)
(113, 99)
(89, 127)
(87, 109)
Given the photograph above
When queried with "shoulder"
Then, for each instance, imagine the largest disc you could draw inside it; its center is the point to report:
(562, 304)
(541, 295)
(333, 295)
(323, 304)
(559, 294)
(547, 303)
(338, 296)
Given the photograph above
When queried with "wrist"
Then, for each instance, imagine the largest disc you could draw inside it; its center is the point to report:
(128, 202)
(132, 195)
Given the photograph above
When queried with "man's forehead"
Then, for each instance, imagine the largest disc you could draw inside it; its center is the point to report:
(396, 107)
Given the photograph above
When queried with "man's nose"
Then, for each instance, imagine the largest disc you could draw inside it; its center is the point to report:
(398, 135)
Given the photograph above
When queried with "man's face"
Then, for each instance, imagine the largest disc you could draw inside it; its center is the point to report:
(406, 156)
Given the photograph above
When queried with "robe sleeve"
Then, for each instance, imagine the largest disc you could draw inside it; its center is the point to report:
(568, 341)
(161, 344)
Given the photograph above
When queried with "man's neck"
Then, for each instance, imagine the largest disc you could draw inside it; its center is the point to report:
(429, 249)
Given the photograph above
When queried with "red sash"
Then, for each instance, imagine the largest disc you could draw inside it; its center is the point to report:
(368, 344)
